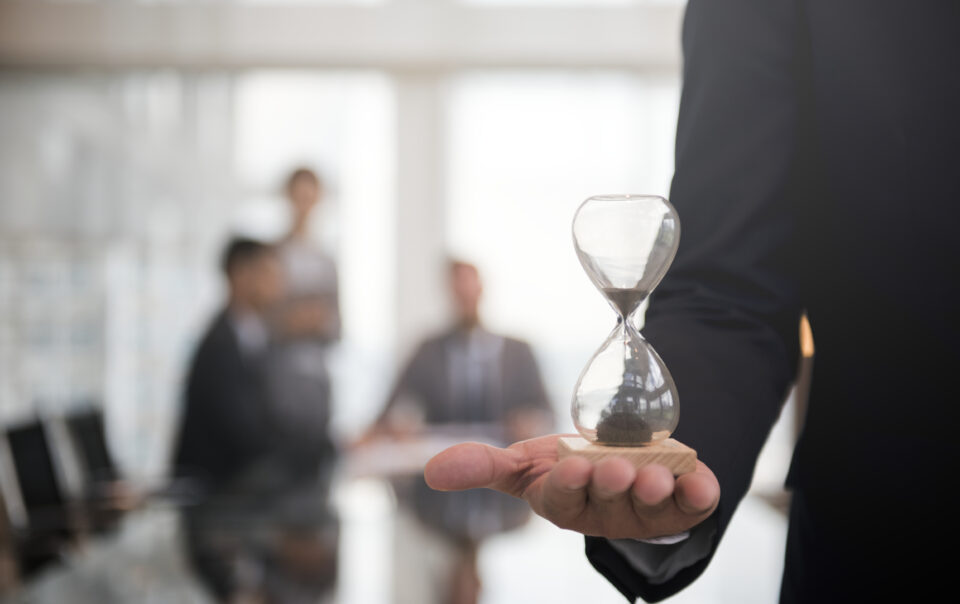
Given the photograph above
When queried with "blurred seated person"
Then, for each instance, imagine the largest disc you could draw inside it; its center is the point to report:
(262, 530)
(222, 428)
(464, 377)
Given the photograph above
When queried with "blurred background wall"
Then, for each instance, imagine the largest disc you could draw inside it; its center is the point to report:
(136, 135)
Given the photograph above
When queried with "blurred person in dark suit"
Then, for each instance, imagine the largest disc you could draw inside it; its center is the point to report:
(262, 531)
(470, 379)
(817, 169)
(222, 430)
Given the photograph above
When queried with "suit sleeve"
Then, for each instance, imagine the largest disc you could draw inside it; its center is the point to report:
(725, 317)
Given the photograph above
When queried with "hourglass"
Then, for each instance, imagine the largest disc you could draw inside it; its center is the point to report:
(625, 402)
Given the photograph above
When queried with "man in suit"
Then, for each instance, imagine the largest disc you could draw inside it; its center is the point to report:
(817, 168)
(476, 381)
(263, 529)
(223, 430)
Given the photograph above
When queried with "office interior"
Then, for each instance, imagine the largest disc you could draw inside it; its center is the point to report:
(137, 137)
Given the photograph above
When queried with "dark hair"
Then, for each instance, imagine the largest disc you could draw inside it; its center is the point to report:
(241, 250)
(303, 173)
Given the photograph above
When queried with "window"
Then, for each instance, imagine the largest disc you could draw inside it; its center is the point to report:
(526, 148)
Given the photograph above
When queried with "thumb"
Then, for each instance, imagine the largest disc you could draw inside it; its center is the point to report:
(469, 466)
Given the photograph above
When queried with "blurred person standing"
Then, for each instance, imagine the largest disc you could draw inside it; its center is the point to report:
(307, 323)
(476, 381)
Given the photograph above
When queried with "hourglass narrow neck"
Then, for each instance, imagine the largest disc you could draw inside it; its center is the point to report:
(627, 334)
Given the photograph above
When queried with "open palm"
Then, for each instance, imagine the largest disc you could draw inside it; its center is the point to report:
(607, 499)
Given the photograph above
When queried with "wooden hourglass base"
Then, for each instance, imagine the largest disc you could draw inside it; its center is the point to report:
(674, 455)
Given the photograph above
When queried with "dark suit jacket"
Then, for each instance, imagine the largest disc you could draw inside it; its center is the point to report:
(818, 168)
(223, 422)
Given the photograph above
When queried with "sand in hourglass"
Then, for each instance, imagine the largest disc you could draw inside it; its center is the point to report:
(624, 299)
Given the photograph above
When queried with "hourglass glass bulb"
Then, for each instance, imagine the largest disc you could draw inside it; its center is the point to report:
(626, 244)
(625, 395)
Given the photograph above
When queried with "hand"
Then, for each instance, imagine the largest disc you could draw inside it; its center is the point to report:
(608, 499)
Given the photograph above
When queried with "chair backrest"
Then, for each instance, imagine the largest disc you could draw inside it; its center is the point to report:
(87, 432)
(37, 477)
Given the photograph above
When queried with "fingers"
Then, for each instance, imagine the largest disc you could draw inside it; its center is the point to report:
(697, 493)
(609, 498)
(564, 495)
(652, 488)
(609, 492)
(470, 466)
(612, 478)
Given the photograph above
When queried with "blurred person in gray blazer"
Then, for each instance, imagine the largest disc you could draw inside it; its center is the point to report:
(471, 381)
